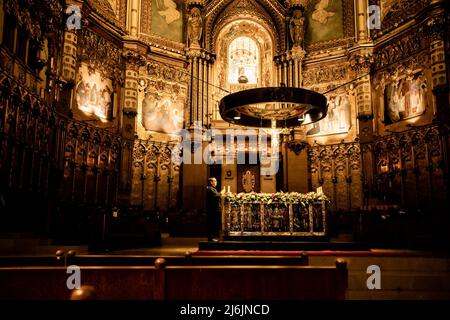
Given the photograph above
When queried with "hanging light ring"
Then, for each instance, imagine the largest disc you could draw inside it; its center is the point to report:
(284, 106)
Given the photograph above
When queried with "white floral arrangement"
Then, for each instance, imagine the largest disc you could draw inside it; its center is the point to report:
(303, 199)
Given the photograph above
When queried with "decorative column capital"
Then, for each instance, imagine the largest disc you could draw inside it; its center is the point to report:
(360, 62)
(297, 53)
(435, 28)
(297, 146)
(133, 58)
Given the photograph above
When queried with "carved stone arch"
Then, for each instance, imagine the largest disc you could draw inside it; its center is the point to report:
(106, 142)
(405, 148)
(81, 155)
(339, 156)
(72, 131)
(104, 160)
(26, 102)
(325, 157)
(432, 136)
(43, 115)
(392, 145)
(69, 153)
(269, 13)
(354, 154)
(155, 151)
(96, 139)
(115, 150)
(152, 157)
(85, 135)
(417, 139)
(93, 154)
(166, 157)
(51, 121)
(379, 148)
(5, 89)
(433, 142)
(139, 153)
(16, 96)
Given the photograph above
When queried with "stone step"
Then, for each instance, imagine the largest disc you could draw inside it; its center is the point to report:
(399, 264)
(396, 295)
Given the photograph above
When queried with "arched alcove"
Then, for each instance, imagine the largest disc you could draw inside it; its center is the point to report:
(242, 35)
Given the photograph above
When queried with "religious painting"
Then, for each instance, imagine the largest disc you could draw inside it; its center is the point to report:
(405, 98)
(162, 112)
(94, 94)
(338, 119)
(167, 19)
(248, 178)
(324, 21)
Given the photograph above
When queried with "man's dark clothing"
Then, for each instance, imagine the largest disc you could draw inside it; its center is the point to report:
(213, 212)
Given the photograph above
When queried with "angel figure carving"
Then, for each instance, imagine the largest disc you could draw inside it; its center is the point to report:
(195, 27)
(320, 14)
(168, 9)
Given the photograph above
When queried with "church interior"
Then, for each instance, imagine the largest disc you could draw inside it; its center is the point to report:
(325, 124)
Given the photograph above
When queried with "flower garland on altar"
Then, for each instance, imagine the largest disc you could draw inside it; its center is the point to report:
(303, 199)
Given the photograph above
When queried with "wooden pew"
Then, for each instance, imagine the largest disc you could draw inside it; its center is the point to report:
(175, 282)
(250, 282)
(49, 283)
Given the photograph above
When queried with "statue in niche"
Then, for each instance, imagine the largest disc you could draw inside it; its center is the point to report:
(195, 27)
(297, 28)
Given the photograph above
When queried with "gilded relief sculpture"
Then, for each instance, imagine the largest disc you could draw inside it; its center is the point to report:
(195, 27)
(297, 22)
(297, 28)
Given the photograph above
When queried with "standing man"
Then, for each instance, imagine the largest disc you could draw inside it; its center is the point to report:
(213, 210)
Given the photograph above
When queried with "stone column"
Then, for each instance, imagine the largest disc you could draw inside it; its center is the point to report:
(134, 18)
(360, 62)
(437, 29)
(295, 56)
(133, 61)
(200, 61)
(194, 172)
(69, 72)
(362, 33)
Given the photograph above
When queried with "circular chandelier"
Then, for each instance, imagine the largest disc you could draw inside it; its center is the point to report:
(280, 107)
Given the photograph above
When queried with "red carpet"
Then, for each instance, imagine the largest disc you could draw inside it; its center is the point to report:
(378, 253)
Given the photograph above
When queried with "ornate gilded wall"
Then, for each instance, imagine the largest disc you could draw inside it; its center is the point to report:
(102, 105)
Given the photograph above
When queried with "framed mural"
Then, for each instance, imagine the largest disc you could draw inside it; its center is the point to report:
(167, 19)
(404, 99)
(162, 112)
(338, 119)
(329, 23)
(324, 21)
(94, 94)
